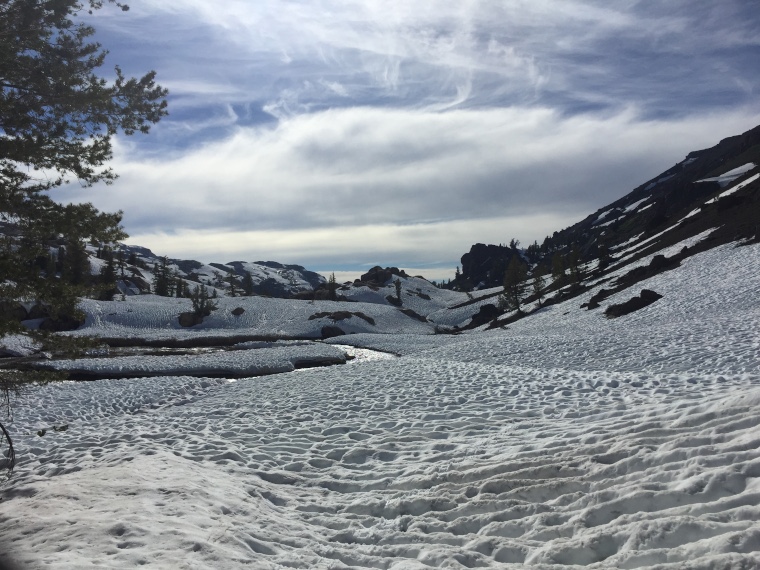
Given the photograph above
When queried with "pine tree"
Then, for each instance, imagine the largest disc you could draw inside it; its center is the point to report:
(558, 269)
(107, 277)
(538, 286)
(202, 303)
(574, 261)
(57, 117)
(232, 280)
(76, 268)
(248, 284)
(515, 283)
(121, 262)
(332, 288)
(162, 278)
(603, 252)
(179, 287)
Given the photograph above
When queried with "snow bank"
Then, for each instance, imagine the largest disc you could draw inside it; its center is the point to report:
(231, 364)
(153, 318)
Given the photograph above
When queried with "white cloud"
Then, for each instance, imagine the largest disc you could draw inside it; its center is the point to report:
(398, 185)
(378, 166)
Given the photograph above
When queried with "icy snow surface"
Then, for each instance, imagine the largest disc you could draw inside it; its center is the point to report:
(566, 440)
(731, 175)
(734, 189)
(632, 207)
(253, 362)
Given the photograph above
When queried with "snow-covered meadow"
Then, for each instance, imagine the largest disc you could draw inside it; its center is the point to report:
(565, 440)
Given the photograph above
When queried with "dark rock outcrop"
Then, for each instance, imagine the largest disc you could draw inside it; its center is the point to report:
(486, 314)
(61, 323)
(485, 264)
(331, 331)
(393, 300)
(647, 297)
(380, 275)
(189, 319)
(342, 315)
(414, 315)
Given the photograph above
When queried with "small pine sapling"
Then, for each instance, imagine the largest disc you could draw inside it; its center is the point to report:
(538, 286)
(202, 303)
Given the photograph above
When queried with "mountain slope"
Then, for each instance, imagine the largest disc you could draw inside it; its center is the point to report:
(716, 188)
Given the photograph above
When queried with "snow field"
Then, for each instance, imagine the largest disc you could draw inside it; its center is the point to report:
(566, 440)
(153, 318)
(385, 466)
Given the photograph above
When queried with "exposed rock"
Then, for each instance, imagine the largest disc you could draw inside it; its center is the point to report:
(600, 296)
(414, 315)
(342, 315)
(660, 263)
(238, 311)
(331, 331)
(381, 275)
(62, 323)
(189, 319)
(393, 300)
(485, 264)
(647, 297)
(486, 314)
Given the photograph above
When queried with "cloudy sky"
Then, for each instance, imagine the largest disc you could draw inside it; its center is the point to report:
(341, 134)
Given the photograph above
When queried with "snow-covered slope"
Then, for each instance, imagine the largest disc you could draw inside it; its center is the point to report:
(566, 440)
(151, 317)
(267, 277)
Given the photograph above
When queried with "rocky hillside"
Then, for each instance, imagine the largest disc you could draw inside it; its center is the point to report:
(714, 189)
(268, 278)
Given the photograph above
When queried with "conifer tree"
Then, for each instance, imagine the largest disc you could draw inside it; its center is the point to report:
(603, 252)
(574, 261)
(515, 283)
(162, 278)
(179, 286)
(57, 119)
(202, 303)
(232, 280)
(332, 288)
(76, 263)
(121, 262)
(558, 269)
(247, 284)
(107, 277)
(538, 286)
